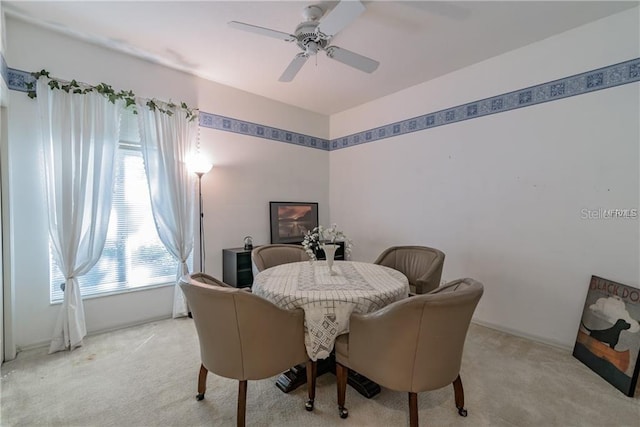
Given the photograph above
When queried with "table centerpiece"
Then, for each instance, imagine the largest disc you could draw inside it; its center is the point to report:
(325, 238)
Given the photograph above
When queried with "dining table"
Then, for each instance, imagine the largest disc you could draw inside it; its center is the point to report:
(328, 298)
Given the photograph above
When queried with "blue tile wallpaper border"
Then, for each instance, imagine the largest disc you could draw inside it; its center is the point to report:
(578, 84)
(590, 81)
(18, 79)
(229, 124)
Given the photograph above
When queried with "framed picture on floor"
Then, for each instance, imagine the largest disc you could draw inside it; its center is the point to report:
(608, 338)
(290, 221)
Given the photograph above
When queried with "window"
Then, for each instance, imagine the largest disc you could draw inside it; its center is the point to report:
(133, 256)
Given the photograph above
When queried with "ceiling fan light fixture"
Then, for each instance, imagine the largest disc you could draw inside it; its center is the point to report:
(312, 48)
(312, 13)
(315, 34)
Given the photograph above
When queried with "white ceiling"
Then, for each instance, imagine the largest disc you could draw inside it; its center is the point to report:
(414, 41)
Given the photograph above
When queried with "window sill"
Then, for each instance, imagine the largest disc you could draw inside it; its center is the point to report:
(119, 292)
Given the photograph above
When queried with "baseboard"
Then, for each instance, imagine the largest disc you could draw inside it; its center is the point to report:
(520, 334)
(93, 333)
(129, 325)
(489, 325)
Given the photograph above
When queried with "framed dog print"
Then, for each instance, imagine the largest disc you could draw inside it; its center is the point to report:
(608, 338)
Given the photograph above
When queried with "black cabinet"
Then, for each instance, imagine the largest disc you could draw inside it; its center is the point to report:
(236, 267)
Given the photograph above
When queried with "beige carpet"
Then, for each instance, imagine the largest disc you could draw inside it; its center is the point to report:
(146, 376)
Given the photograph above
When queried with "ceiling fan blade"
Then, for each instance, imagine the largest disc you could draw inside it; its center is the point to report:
(342, 15)
(294, 67)
(352, 59)
(263, 31)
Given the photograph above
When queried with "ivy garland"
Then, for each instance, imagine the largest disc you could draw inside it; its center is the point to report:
(104, 89)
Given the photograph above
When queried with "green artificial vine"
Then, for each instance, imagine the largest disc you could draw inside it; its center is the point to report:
(104, 89)
(191, 115)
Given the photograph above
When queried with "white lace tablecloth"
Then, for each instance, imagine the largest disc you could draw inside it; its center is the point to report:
(327, 300)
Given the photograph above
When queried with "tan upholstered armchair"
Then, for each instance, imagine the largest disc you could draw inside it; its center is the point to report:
(267, 256)
(209, 280)
(421, 265)
(245, 337)
(412, 345)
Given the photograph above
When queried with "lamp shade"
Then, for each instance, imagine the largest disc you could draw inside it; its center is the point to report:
(199, 165)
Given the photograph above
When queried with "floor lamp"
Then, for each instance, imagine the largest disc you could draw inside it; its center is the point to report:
(200, 169)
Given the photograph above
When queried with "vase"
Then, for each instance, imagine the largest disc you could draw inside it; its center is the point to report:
(330, 252)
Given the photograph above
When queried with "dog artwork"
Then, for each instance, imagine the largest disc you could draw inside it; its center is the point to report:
(608, 339)
(610, 335)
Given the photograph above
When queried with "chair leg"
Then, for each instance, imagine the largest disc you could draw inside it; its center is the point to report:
(242, 402)
(459, 394)
(312, 373)
(341, 379)
(202, 382)
(413, 409)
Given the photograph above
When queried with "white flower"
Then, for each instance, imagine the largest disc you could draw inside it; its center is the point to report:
(320, 235)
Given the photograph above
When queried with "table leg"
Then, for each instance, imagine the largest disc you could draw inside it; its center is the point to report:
(296, 376)
(362, 384)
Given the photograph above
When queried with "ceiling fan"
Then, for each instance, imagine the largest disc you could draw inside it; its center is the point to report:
(315, 34)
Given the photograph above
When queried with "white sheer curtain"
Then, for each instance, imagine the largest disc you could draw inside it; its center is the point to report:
(80, 137)
(167, 141)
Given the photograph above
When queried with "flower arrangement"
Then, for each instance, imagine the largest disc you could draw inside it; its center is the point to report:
(321, 235)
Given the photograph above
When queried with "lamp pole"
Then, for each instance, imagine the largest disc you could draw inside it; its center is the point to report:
(200, 166)
(201, 216)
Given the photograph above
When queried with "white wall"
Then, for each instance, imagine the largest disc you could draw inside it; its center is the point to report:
(502, 195)
(248, 172)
